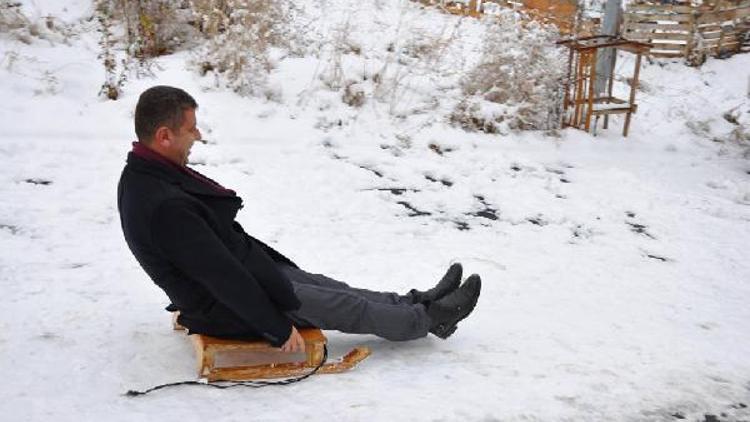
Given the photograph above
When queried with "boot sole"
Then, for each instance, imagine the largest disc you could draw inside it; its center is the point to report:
(449, 332)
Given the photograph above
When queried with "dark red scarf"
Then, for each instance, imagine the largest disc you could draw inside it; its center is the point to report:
(147, 153)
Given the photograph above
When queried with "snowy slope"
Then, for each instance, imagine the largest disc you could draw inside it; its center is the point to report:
(615, 270)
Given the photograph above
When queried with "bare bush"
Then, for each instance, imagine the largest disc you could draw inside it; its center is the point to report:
(150, 28)
(426, 58)
(517, 83)
(340, 44)
(699, 51)
(240, 33)
(739, 118)
(111, 88)
(731, 130)
(354, 94)
(482, 116)
(153, 27)
(234, 38)
(21, 27)
(12, 18)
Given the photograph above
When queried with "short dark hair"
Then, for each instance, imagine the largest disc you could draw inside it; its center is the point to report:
(158, 106)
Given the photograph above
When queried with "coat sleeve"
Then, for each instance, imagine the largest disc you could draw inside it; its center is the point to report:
(193, 247)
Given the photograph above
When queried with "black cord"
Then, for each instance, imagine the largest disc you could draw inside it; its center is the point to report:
(229, 384)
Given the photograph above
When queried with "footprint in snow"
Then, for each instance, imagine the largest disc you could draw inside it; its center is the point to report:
(432, 179)
(35, 181)
(414, 212)
(487, 211)
(11, 228)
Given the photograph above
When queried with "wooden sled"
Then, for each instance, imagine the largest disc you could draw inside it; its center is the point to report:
(237, 360)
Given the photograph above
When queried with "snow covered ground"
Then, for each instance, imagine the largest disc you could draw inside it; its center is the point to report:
(615, 270)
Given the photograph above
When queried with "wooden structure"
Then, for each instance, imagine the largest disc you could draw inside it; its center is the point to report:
(235, 360)
(561, 13)
(581, 103)
(682, 29)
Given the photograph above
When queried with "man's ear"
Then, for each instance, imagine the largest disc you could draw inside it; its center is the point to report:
(162, 137)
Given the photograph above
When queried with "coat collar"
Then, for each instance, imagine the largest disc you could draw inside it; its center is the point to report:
(172, 174)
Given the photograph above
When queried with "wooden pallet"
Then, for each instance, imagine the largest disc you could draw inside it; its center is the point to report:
(678, 30)
(219, 359)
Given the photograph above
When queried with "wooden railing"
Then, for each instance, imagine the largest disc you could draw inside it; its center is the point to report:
(679, 29)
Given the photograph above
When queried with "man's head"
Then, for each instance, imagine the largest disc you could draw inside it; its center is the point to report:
(165, 122)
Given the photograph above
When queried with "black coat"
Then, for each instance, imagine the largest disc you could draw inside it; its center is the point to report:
(182, 231)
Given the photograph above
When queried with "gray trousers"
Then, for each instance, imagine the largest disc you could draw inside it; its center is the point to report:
(332, 305)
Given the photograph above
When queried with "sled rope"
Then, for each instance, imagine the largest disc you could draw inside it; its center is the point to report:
(230, 384)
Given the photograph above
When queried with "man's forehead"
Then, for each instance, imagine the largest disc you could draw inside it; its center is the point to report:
(189, 115)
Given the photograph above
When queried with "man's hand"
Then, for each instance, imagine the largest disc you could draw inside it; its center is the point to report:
(295, 342)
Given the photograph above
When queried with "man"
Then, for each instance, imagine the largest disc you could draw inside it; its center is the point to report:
(180, 226)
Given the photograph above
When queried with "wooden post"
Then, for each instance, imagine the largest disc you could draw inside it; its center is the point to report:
(592, 78)
(579, 90)
(609, 92)
(474, 6)
(633, 88)
(566, 98)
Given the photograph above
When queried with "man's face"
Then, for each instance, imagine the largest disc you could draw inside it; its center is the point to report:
(184, 137)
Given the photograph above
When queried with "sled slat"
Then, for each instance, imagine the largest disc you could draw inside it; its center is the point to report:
(225, 359)
(220, 359)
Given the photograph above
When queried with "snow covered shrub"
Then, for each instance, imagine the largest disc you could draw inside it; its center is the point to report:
(698, 53)
(13, 21)
(337, 45)
(739, 118)
(240, 33)
(421, 59)
(730, 129)
(403, 68)
(138, 30)
(700, 127)
(22, 28)
(113, 83)
(354, 94)
(483, 116)
(153, 27)
(517, 83)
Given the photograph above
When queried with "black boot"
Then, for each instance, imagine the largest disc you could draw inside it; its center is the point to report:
(448, 311)
(447, 284)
